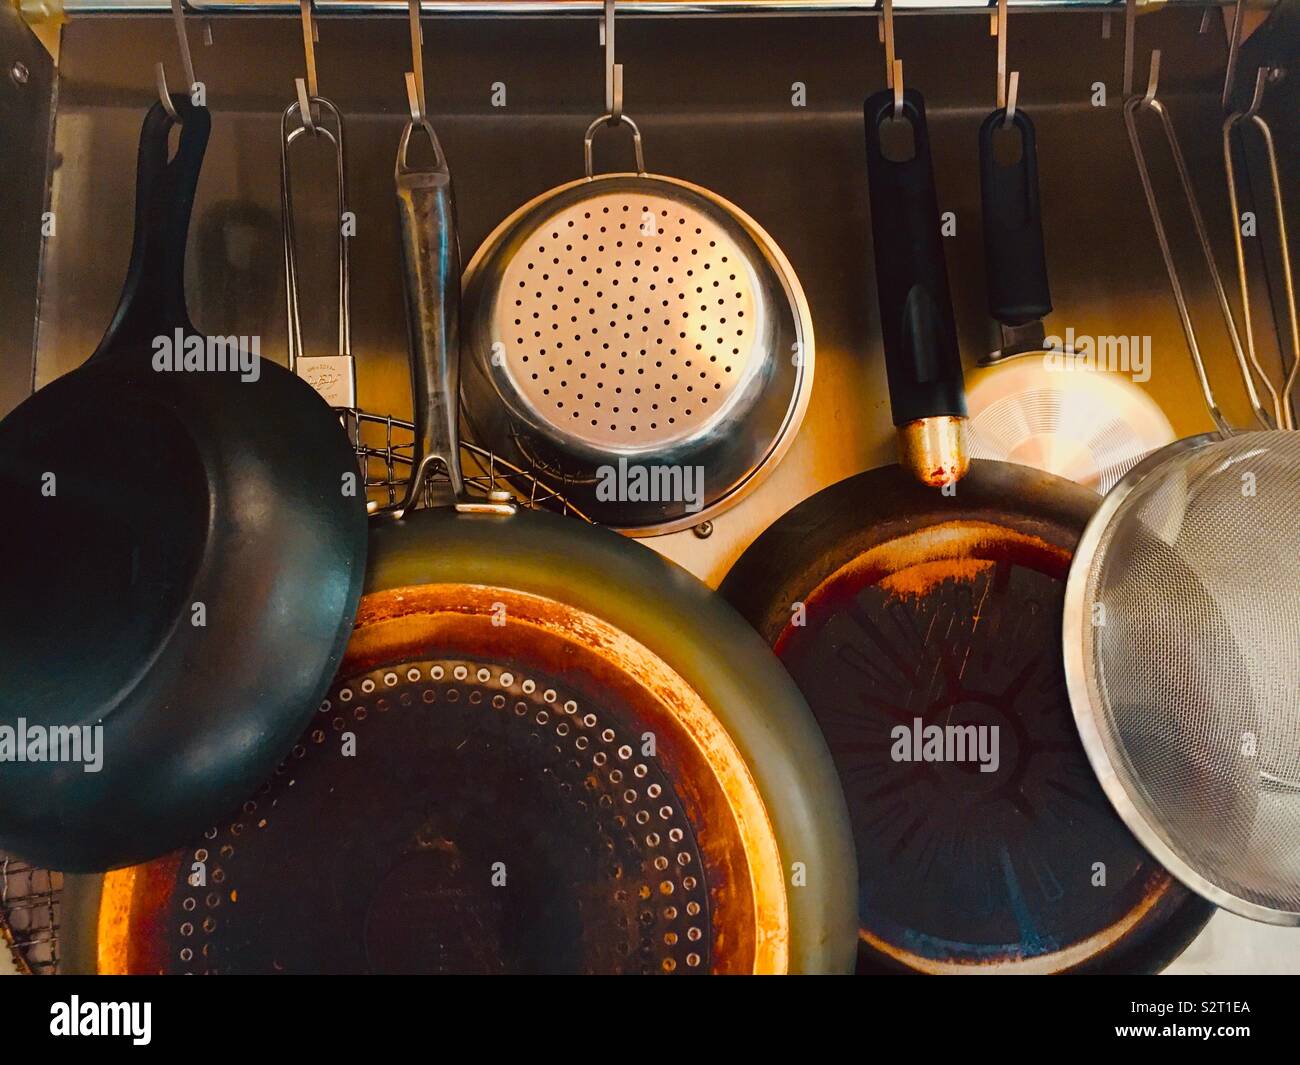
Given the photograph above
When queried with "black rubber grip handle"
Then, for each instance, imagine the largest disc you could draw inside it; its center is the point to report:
(153, 295)
(1015, 262)
(916, 321)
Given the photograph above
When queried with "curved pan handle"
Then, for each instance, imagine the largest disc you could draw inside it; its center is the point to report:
(1015, 262)
(926, 390)
(153, 296)
(431, 282)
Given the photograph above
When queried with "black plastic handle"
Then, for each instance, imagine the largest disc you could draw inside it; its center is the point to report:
(1015, 262)
(153, 296)
(916, 320)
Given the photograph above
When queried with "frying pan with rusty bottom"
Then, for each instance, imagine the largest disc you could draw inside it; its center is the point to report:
(923, 625)
(548, 750)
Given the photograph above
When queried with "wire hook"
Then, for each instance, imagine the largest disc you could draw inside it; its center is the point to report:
(164, 97)
(1013, 90)
(415, 76)
(613, 70)
(1153, 81)
(309, 51)
(893, 65)
(1234, 50)
(1130, 36)
(1261, 80)
(187, 63)
(1008, 87)
(1000, 21)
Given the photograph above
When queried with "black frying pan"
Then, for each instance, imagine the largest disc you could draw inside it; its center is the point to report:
(901, 607)
(181, 563)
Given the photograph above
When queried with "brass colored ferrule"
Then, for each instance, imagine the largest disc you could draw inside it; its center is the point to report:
(934, 450)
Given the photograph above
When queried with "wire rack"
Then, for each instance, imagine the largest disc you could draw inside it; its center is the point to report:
(384, 446)
(29, 914)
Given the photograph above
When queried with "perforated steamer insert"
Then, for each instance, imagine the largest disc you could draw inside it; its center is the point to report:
(486, 806)
(487, 822)
(642, 321)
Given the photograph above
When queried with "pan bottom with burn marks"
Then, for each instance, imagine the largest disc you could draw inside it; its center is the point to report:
(982, 836)
(447, 817)
(929, 649)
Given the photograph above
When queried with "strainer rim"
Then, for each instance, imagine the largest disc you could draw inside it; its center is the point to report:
(1088, 707)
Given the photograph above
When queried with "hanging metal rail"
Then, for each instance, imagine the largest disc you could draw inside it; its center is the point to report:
(633, 8)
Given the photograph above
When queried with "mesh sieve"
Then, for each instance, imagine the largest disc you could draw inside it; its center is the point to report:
(1182, 642)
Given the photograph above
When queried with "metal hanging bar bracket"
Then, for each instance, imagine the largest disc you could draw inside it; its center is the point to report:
(550, 9)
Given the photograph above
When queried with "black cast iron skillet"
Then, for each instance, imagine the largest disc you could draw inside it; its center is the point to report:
(904, 600)
(182, 556)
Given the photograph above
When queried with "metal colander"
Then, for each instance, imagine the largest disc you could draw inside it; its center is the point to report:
(634, 320)
(1182, 620)
(1183, 623)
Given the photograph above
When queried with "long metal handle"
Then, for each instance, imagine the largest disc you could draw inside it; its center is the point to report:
(1282, 397)
(431, 282)
(1148, 102)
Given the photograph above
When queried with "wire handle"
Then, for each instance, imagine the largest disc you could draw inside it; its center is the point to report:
(291, 131)
(1282, 410)
(590, 135)
(1149, 102)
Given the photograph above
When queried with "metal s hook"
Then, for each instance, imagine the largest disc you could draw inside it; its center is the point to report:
(1008, 87)
(1013, 90)
(1130, 35)
(1153, 81)
(1234, 50)
(164, 97)
(893, 65)
(304, 103)
(1000, 24)
(413, 99)
(613, 70)
(1262, 76)
(415, 76)
(187, 64)
(309, 38)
